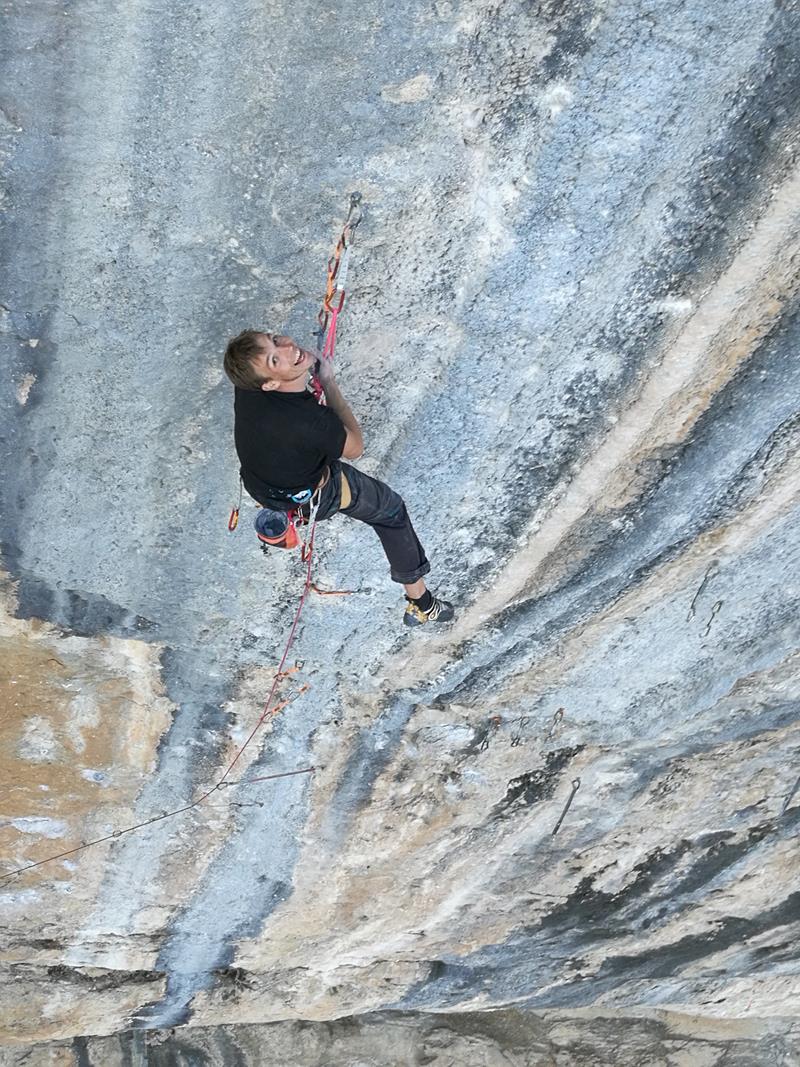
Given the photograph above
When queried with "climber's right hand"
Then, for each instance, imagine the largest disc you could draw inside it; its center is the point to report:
(324, 371)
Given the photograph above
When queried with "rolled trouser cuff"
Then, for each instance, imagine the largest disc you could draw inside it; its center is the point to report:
(409, 577)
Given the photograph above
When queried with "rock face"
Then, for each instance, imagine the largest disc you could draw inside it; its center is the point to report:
(490, 1039)
(572, 338)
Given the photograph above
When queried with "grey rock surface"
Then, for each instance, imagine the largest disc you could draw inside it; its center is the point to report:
(572, 337)
(489, 1039)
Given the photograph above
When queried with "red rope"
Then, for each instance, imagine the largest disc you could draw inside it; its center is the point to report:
(306, 586)
(328, 346)
(332, 592)
(330, 338)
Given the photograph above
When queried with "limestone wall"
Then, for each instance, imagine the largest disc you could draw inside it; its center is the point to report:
(572, 338)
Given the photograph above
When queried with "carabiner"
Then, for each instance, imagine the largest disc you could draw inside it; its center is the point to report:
(355, 202)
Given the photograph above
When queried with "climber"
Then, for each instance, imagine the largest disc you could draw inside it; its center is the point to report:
(290, 447)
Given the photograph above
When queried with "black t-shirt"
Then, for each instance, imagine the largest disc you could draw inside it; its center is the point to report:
(284, 440)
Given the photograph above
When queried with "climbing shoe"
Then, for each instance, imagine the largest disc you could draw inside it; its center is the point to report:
(439, 611)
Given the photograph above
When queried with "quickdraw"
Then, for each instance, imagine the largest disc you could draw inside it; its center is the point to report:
(335, 294)
(576, 784)
(233, 521)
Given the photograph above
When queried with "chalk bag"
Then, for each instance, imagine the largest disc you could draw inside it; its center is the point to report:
(276, 529)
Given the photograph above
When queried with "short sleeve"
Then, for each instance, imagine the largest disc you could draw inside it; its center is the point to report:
(332, 434)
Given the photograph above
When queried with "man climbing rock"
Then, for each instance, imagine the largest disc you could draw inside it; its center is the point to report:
(290, 448)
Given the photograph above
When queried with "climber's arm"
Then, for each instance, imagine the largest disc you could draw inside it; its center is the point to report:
(354, 443)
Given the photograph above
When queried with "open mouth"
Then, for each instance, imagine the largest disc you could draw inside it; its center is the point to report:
(300, 358)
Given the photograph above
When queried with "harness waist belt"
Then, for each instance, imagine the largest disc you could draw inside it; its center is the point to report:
(302, 496)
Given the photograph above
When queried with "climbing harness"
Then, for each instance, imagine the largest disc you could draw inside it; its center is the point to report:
(302, 496)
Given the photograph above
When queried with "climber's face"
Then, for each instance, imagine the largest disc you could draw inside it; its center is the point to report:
(283, 365)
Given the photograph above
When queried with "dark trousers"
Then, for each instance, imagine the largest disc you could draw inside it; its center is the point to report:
(380, 507)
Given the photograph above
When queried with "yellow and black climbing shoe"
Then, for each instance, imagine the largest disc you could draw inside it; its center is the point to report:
(438, 611)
